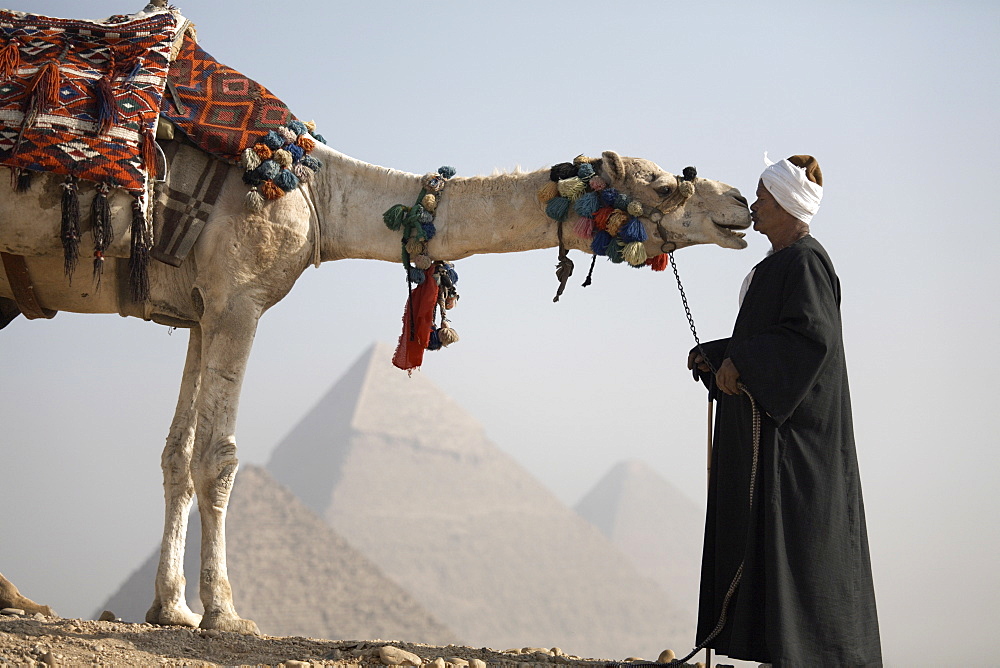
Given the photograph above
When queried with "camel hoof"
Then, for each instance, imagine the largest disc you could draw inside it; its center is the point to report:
(225, 623)
(179, 616)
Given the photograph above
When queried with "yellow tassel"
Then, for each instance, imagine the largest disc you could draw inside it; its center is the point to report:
(634, 253)
(429, 202)
(547, 192)
(447, 335)
(310, 126)
(283, 158)
(635, 208)
(615, 221)
(572, 188)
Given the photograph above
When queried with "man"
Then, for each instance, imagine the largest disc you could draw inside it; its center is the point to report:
(805, 597)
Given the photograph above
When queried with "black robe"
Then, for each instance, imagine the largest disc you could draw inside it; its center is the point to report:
(806, 596)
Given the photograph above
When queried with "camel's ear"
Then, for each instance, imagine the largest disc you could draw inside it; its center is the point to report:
(613, 163)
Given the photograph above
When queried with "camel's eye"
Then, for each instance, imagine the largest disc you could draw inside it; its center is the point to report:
(663, 191)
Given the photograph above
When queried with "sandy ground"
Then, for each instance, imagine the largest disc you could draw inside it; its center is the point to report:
(36, 640)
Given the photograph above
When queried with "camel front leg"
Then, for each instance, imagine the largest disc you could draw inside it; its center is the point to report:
(169, 605)
(228, 337)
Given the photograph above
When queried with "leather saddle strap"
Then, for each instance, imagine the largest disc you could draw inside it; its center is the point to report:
(20, 285)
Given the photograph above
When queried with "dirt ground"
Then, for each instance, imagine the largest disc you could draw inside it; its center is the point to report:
(36, 640)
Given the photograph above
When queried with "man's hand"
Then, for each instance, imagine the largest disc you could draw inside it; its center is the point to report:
(728, 377)
(697, 361)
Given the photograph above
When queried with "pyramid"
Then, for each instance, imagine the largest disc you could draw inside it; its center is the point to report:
(292, 574)
(411, 480)
(653, 523)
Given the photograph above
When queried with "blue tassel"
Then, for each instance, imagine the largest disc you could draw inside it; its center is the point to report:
(268, 169)
(452, 274)
(434, 343)
(599, 244)
(416, 276)
(585, 171)
(272, 140)
(588, 204)
(286, 180)
(311, 162)
(621, 201)
(319, 138)
(297, 152)
(632, 231)
(446, 171)
(608, 196)
(614, 251)
(298, 127)
(252, 178)
(557, 208)
(429, 230)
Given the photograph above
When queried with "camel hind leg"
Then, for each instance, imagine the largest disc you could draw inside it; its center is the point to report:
(10, 597)
(169, 605)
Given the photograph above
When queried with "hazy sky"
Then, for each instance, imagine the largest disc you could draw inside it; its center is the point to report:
(896, 99)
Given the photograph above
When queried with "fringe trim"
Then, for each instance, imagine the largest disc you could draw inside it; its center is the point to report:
(103, 231)
(149, 152)
(21, 180)
(138, 261)
(70, 228)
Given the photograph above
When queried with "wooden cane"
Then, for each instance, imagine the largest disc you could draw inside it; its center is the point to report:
(708, 467)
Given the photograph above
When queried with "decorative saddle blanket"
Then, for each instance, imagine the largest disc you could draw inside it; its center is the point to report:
(81, 97)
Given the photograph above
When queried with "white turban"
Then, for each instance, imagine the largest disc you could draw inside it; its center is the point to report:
(794, 192)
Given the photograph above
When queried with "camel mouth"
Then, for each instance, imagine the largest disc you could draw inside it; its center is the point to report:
(731, 229)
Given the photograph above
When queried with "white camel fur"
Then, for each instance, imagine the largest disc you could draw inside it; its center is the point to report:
(244, 263)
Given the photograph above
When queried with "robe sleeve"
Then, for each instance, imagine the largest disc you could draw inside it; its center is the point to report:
(781, 363)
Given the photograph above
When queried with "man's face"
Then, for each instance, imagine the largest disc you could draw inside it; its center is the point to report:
(765, 212)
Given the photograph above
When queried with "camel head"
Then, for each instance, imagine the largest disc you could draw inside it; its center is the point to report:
(686, 209)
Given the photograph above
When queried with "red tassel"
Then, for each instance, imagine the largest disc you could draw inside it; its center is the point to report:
(149, 151)
(10, 60)
(107, 110)
(420, 311)
(659, 262)
(43, 90)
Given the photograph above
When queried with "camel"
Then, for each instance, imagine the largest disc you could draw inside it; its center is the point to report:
(245, 262)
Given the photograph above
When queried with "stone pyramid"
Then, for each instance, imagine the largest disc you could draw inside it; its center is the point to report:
(649, 520)
(292, 574)
(410, 479)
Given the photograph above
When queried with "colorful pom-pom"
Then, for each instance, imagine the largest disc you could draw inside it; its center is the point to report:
(557, 208)
(252, 177)
(434, 341)
(429, 230)
(304, 173)
(585, 171)
(267, 169)
(563, 170)
(596, 183)
(272, 140)
(310, 126)
(320, 138)
(262, 151)
(426, 217)
(250, 158)
(634, 208)
(632, 231)
(584, 227)
(306, 142)
(634, 253)
(271, 191)
(429, 202)
(283, 158)
(296, 151)
(286, 180)
(254, 201)
(587, 204)
(572, 188)
(614, 251)
(287, 135)
(446, 171)
(423, 262)
(615, 222)
(608, 196)
(547, 192)
(659, 262)
(311, 162)
(621, 201)
(599, 244)
(416, 246)
(416, 276)
(298, 127)
(601, 217)
(394, 217)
